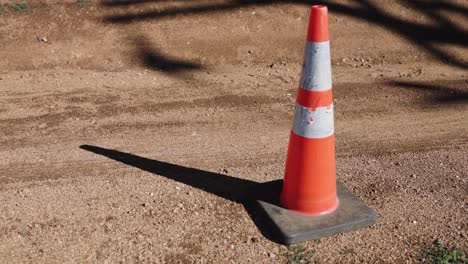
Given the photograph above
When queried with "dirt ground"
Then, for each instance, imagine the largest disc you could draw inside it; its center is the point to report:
(130, 130)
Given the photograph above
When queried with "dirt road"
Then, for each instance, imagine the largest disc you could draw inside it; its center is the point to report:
(129, 130)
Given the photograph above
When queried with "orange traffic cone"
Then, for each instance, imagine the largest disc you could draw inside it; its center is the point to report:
(309, 185)
(308, 207)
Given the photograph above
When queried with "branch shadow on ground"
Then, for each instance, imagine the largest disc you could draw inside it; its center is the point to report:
(440, 94)
(428, 36)
(111, 3)
(237, 190)
(152, 59)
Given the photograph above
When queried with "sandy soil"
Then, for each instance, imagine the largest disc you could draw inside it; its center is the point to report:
(106, 109)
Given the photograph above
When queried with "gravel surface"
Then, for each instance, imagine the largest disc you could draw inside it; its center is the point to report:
(129, 133)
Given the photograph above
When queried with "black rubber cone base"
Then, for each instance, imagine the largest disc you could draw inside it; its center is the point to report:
(288, 227)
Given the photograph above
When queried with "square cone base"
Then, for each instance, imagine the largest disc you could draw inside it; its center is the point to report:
(287, 227)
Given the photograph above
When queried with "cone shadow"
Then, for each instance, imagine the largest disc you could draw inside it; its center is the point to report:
(225, 186)
(238, 190)
(261, 200)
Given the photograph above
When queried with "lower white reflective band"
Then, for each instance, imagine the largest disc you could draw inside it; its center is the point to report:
(313, 124)
(316, 71)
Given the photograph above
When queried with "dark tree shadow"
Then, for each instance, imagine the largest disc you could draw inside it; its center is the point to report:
(427, 36)
(152, 59)
(440, 94)
(111, 3)
(238, 190)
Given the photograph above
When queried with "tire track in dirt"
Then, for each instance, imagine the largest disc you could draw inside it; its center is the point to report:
(364, 124)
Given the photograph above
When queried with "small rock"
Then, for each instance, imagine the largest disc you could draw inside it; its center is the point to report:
(42, 39)
(271, 255)
(177, 188)
(43, 125)
(414, 222)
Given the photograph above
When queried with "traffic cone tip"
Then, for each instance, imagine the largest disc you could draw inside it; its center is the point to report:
(318, 24)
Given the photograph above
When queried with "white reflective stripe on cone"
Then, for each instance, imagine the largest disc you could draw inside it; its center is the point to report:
(316, 71)
(313, 124)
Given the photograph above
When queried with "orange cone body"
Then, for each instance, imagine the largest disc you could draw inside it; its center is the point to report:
(309, 185)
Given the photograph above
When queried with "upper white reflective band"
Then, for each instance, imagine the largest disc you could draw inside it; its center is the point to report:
(316, 71)
(313, 124)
